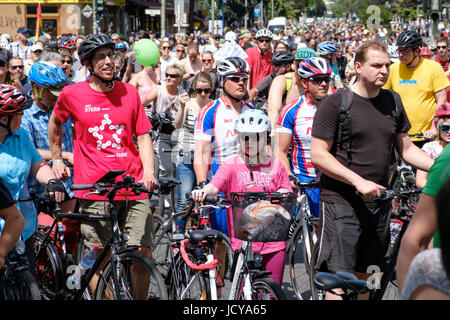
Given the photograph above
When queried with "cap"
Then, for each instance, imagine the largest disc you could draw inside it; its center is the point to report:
(23, 30)
(36, 47)
(3, 57)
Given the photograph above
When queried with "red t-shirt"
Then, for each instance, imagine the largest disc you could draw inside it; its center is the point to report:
(445, 66)
(260, 66)
(104, 124)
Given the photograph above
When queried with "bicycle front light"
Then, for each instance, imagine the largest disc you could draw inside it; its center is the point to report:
(20, 247)
(126, 236)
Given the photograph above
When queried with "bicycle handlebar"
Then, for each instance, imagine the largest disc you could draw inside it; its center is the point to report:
(193, 266)
(391, 194)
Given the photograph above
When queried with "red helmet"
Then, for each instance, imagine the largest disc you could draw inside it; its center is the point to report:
(444, 110)
(425, 51)
(12, 100)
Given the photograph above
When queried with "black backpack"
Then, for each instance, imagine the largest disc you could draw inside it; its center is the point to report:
(344, 114)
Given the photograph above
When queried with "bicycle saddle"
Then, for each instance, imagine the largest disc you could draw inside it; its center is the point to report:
(341, 280)
(166, 184)
(200, 235)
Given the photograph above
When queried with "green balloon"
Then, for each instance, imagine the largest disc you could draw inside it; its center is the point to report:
(146, 52)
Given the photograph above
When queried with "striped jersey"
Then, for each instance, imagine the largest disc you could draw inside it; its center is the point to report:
(296, 119)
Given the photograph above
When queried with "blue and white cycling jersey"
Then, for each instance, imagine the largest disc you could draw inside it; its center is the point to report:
(215, 123)
(296, 119)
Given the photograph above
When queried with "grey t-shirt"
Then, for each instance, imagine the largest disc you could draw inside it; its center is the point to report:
(426, 268)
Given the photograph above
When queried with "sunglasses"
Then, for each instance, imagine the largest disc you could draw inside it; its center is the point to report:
(264, 40)
(207, 60)
(206, 90)
(67, 61)
(16, 67)
(237, 79)
(2, 63)
(441, 47)
(171, 75)
(319, 80)
(280, 64)
(180, 51)
(444, 127)
(255, 137)
(165, 48)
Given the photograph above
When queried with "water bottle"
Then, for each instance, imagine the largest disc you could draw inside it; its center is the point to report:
(85, 264)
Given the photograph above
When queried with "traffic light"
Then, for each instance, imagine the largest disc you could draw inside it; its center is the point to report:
(100, 5)
(436, 7)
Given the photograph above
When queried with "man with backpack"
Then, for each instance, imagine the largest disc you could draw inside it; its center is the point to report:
(353, 135)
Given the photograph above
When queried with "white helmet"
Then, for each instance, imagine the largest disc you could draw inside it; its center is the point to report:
(6, 36)
(3, 43)
(393, 53)
(312, 67)
(230, 36)
(264, 33)
(252, 121)
(232, 65)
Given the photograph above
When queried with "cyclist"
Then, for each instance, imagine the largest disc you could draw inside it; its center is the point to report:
(252, 170)
(421, 84)
(351, 166)
(106, 114)
(434, 148)
(12, 225)
(214, 128)
(19, 159)
(282, 63)
(286, 87)
(329, 50)
(47, 80)
(295, 123)
(259, 58)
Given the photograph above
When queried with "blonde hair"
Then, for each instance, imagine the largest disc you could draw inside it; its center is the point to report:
(440, 121)
(179, 70)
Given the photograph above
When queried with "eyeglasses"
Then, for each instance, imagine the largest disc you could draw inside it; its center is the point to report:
(66, 61)
(207, 60)
(171, 75)
(180, 50)
(115, 39)
(164, 48)
(319, 80)
(264, 40)
(16, 67)
(444, 127)
(237, 79)
(206, 90)
(441, 47)
(280, 64)
(251, 137)
(102, 57)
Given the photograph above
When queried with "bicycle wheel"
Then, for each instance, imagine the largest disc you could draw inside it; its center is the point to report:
(315, 293)
(21, 285)
(299, 267)
(267, 289)
(48, 270)
(138, 279)
(228, 257)
(185, 283)
(161, 248)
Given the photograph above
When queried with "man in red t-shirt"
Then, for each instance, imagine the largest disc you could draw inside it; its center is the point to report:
(442, 58)
(106, 114)
(259, 58)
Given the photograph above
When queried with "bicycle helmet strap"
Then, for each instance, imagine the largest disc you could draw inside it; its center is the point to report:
(108, 83)
(7, 126)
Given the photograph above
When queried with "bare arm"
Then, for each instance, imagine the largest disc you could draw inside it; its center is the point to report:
(14, 224)
(421, 178)
(441, 98)
(411, 153)
(323, 160)
(417, 236)
(275, 100)
(55, 142)
(281, 152)
(149, 97)
(202, 159)
(252, 94)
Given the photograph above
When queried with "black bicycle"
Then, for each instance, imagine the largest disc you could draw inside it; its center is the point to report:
(127, 273)
(384, 285)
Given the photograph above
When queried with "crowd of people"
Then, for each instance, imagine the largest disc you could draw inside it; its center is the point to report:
(249, 110)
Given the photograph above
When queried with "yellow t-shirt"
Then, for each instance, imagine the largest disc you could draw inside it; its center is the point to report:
(417, 88)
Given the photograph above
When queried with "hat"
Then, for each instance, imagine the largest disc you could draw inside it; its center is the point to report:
(23, 30)
(36, 47)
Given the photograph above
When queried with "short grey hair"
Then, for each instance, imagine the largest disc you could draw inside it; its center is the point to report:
(50, 56)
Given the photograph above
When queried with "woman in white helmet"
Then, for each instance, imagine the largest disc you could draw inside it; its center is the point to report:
(252, 170)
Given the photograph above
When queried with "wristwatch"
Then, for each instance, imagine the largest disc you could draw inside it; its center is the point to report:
(202, 184)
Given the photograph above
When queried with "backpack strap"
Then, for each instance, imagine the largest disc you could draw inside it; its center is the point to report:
(398, 103)
(344, 114)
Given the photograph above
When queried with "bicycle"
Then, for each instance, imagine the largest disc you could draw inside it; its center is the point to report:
(345, 281)
(182, 257)
(401, 214)
(16, 280)
(117, 277)
(302, 237)
(250, 280)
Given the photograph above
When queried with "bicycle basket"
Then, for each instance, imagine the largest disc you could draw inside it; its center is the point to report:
(262, 217)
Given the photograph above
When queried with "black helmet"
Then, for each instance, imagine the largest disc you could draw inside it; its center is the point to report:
(91, 44)
(282, 57)
(409, 39)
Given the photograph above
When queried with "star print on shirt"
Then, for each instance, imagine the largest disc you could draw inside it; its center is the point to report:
(96, 132)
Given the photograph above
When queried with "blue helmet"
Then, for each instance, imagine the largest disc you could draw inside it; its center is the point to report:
(327, 47)
(47, 75)
(121, 46)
